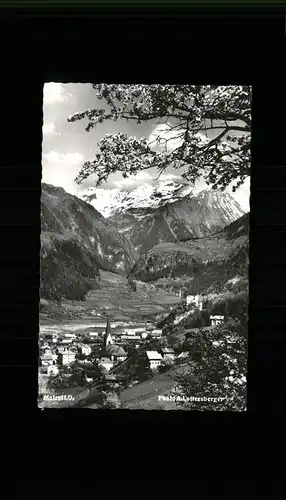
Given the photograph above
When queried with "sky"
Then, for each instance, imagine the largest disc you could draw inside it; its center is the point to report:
(66, 146)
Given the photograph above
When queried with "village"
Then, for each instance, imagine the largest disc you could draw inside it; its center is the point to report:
(107, 351)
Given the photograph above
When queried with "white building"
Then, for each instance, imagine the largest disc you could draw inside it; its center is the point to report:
(47, 359)
(216, 320)
(67, 340)
(196, 300)
(156, 333)
(155, 359)
(85, 349)
(67, 357)
(130, 337)
(70, 335)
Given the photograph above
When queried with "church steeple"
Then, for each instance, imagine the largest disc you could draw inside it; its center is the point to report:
(107, 336)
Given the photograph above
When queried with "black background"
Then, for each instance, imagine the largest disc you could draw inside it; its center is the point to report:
(125, 453)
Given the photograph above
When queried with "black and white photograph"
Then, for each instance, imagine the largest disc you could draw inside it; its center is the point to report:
(144, 262)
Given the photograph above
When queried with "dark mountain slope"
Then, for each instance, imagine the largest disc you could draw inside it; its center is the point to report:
(207, 263)
(76, 242)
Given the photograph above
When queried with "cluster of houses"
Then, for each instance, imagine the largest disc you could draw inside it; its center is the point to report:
(63, 350)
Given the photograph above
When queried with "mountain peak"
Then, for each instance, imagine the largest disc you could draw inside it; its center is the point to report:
(110, 201)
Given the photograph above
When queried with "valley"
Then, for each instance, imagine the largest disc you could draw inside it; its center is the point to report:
(135, 275)
(126, 308)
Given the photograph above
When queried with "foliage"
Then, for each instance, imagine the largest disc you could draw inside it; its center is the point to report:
(187, 113)
(80, 356)
(138, 368)
(110, 401)
(164, 367)
(232, 305)
(218, 370)
(66, 271)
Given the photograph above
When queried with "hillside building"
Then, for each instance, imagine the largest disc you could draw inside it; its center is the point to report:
(216, 320)
(196, 300)
(155, 359)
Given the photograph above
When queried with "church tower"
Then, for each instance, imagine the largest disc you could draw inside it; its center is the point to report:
(107, 336)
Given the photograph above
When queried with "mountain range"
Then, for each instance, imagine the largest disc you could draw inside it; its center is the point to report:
(154, 232)
(166, 211)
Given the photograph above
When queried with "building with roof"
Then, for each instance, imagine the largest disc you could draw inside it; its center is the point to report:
(47, 359)
(155, 359)
(93, 334)
(157, 332)
(67, 340)
(168, 353)
(111, 353)
(114, 352)
(196, 300)
(132, 338)
(85, 349)
(70, 335)
(216, 320)
(66, 357)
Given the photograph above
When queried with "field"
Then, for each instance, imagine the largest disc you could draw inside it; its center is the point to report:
(115, 297)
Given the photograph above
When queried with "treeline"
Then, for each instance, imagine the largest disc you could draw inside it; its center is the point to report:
(67, 271)
(209, 277)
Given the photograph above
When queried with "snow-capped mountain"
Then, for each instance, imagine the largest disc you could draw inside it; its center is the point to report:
(105, 201)
(111, 201)
(165, 211)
